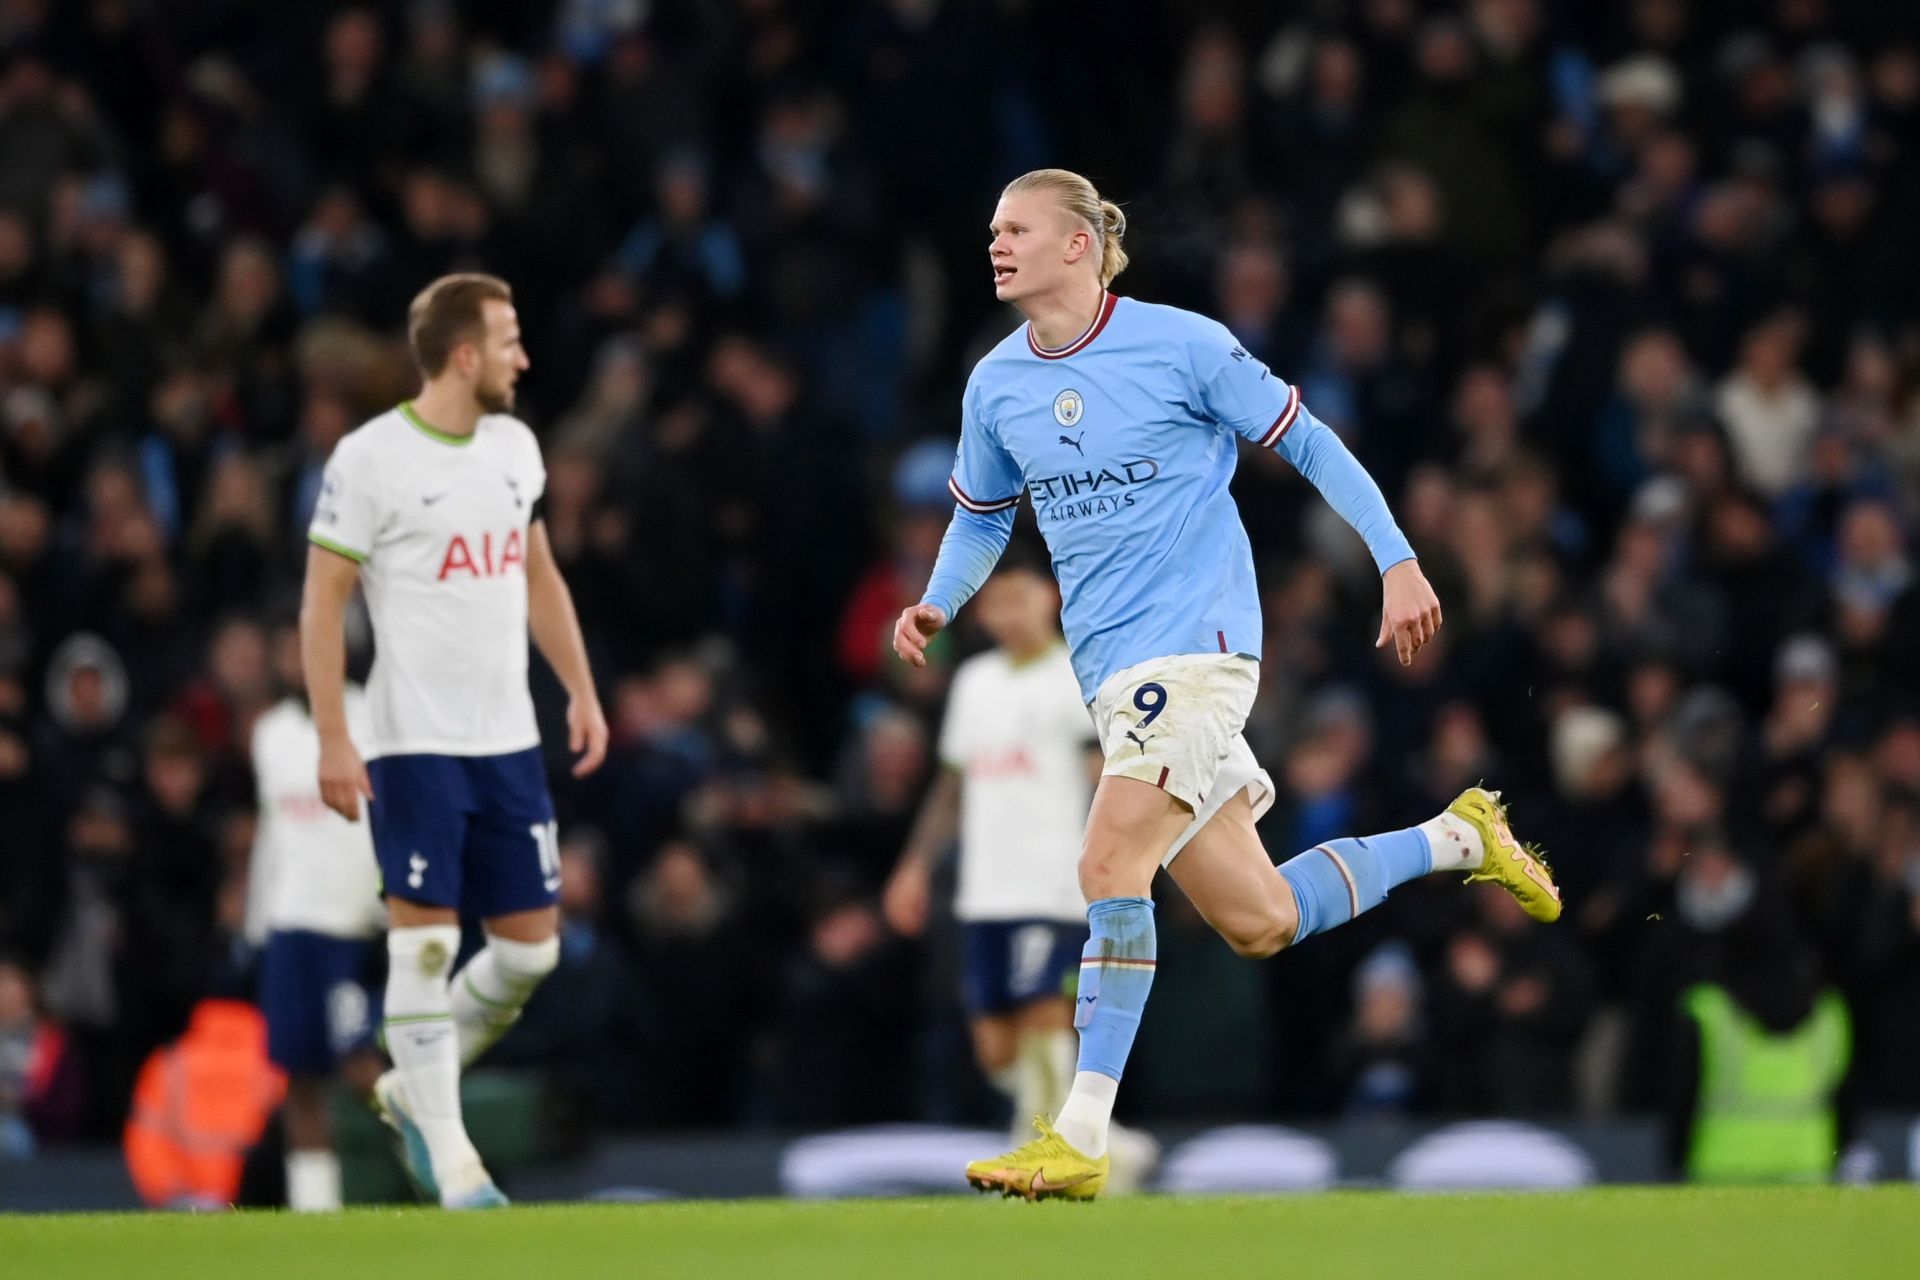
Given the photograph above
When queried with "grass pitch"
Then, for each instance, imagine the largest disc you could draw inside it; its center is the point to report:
(1618, 1234)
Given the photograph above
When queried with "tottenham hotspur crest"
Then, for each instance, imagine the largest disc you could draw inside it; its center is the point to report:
(1067, 407)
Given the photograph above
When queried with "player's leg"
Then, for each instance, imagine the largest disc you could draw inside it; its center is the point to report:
(1224, 869)
(996, 1054)
(1129, 829)
(513, 883)
(419, 819)
(489, 992)
(1225, 872)
(293, 996)
(1044, 1049)
(1042, 964)
(313, 1171)
(987, 962)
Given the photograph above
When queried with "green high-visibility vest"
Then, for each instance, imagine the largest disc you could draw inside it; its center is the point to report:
(1765, 1111)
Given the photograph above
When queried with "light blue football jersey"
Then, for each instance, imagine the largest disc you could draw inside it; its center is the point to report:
(1124, 443)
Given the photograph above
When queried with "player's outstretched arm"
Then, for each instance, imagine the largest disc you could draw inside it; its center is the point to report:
(556, 630)
(906, 898)
(1410, 612)
(323, 656)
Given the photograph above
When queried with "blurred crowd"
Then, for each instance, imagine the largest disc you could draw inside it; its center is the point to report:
(1615, 300)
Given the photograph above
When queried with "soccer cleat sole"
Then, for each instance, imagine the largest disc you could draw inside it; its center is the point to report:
(1010, 1189)
(480, 1199)
(1510, 861)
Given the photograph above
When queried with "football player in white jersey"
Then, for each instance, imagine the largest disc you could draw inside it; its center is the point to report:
(1019, 758)
(433, 507)
(314, 909)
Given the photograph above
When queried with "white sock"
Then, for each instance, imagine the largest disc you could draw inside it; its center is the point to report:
(425, 1049)
(1045, 1068)
(489, 993)
(313, 1181)
(1087, 1112)
(1007, 1081)
(1455, 843)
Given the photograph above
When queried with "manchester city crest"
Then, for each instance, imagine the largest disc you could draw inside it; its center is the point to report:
(1067, 407)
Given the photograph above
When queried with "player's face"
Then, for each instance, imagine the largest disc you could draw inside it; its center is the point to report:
(1017, 610)
(502, 358)
(1032, 239)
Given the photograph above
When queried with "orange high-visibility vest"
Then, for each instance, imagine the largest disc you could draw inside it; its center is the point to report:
(200, 1104)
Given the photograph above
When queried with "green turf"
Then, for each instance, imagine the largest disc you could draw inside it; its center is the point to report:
(1620, 1234)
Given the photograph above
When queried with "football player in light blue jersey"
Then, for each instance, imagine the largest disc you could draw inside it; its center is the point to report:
(1119, 421)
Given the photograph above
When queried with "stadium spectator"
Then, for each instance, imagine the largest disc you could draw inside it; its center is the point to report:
(1619, 311)
(40, 1091)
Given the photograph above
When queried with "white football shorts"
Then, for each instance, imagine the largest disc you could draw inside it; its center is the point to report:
(1175, 723)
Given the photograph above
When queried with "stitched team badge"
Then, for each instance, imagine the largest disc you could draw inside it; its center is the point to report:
(1068, 407)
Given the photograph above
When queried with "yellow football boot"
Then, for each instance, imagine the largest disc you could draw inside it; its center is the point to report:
(1518, 868)
(1047, 1168)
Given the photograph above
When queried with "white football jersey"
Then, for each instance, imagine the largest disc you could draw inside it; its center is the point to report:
(1019, 736)
(312, 869)
(439, 526)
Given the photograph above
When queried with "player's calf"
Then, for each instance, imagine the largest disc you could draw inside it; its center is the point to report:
(426, 1059)
(1256, 937)
(1336, 881)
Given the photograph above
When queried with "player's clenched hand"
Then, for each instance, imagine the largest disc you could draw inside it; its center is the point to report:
(343, 777)
(1410, 612)
(915, 630)
(586, 734)
(904, 903)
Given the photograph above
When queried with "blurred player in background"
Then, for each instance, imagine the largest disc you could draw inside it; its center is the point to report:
(1117, 419)
(314, 902)
(1019, 760)
(436, 506)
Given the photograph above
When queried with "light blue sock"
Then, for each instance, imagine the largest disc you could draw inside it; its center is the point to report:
(1336, 881)
(1116, 972)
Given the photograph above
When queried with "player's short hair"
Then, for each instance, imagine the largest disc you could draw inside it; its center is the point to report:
(1022, 556)
(1079, 198)
(449, 312)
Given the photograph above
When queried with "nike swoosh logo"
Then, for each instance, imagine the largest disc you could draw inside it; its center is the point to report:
(428, 499)
(553, 884)
(1041, 1186)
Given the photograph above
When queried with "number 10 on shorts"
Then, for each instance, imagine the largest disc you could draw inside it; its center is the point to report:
(546, 840)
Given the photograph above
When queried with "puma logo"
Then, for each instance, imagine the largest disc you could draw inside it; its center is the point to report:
(1066, 439)
(1141, 741)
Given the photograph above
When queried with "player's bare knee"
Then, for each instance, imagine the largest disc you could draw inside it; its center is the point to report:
(1256, 940)
(1258, 935)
